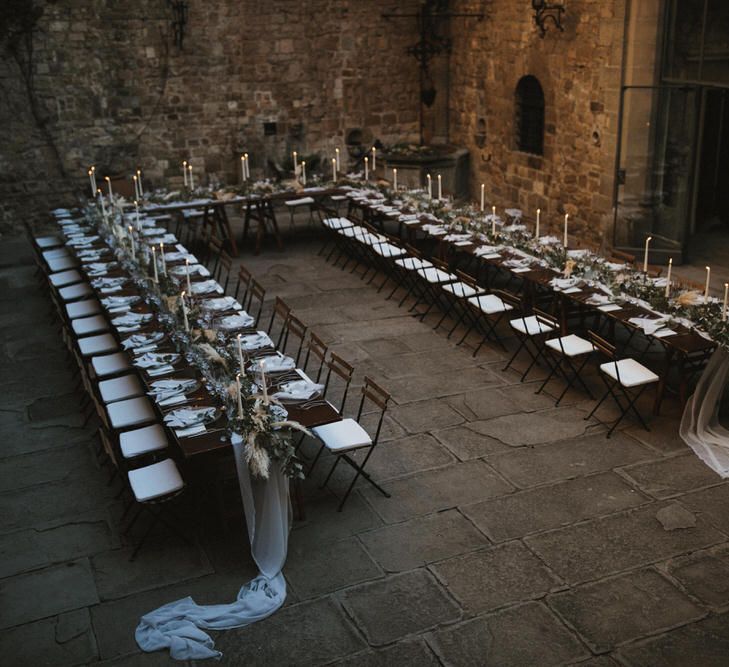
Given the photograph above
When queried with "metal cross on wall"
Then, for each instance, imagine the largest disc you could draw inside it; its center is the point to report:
(431, 43)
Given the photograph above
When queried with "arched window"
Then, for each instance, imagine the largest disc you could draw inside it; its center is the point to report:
(530, 115)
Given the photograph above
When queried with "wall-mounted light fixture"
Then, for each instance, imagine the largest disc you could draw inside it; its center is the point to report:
(179, 20)
(543, 11)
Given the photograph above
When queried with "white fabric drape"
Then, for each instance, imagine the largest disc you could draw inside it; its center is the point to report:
(700, 427)
(179, 626)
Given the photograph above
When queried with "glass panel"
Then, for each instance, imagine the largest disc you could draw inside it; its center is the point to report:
(683, 48)
(715, 67)
(657, 156)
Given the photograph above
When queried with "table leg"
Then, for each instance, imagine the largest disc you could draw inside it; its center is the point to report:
(661, 389)
(225, 230)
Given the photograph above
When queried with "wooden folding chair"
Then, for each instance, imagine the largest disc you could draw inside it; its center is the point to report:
(624, 378)
(343, 438)
(281, 312)
(318, 349)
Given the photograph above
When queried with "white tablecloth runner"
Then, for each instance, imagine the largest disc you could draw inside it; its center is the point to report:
(179, 626)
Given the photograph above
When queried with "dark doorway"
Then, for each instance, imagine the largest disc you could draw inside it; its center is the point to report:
(712, 186)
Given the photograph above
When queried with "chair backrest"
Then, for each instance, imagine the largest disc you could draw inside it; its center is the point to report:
(440, 264)
(654, 271)
(318, 348)
(412, 251)
(215, 247)
(244, 280)
(296, 328)
(685, 283)
(255, 294)
(620, 256)
(225, 266)
(546, 318)
(468, 280)
(601, 345)
(341, 369)
(512, 299)
(376, 395)
(280, 311)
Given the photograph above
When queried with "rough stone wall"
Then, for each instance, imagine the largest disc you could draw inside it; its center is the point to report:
(117, 93)
(579, 71)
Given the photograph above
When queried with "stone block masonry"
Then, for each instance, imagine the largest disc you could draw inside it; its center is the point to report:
(113, 90)
(579, 71)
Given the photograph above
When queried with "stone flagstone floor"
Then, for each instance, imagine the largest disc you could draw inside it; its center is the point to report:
(516, 533)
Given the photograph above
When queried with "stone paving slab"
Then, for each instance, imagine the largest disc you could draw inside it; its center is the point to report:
(407, 455)
(156, 565)
(704, 574)
(704, 643)
(36, 595)
(309, 633)
(398, 606)
(405, 546)
(37, 506)
(712, 504)
(30, 549)
(615, 611)
(468, 444)
(491, 578)
(535, 427)
(669, 477)
(404, 390)
(546, 507)
(529, 634)
(66, 639)
(600, 547)
(315, 572)
(60, 463)
(570, 458)
(403, 653)
(426, 416)
(422, 493)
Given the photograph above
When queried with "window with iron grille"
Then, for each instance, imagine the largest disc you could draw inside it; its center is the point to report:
(530, 115)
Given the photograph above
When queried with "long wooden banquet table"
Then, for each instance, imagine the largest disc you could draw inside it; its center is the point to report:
(258, 208)
(215, 437)
(684, 350)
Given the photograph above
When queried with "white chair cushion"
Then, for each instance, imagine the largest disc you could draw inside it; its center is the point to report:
(82, 308)
(74, 292)
(571, 346)
(436, 276)
(48, 241)
(132, 412)
(64, 278)
(110, 364)
(61, 263)
(299, 202)
(490, 304)
(413, 263)
(84, 326)
(143, 441)
(118, 389)
(338, 197)
(533, 326)
(97, 345)
(354, 231)
(343, 435)
(337, 223)
(460, 290)
(632, 373)
(388, 250)
(154, 481)
(55, 253)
